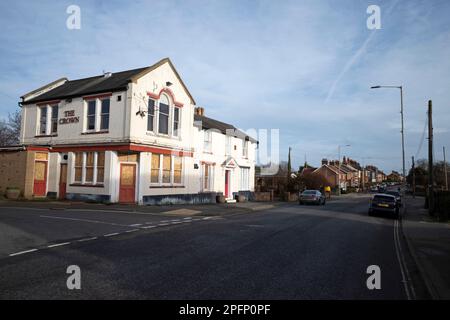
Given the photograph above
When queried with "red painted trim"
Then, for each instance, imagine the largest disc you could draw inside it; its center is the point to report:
(169, 92)
(31, 148)
(48, 102)
(98, 96)
(206, 162)
(126, 147)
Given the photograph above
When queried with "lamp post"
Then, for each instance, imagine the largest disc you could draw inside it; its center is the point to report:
(339, 167)
(402, 129)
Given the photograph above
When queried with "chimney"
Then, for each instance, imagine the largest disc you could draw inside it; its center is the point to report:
(200, 111)
(324, 161)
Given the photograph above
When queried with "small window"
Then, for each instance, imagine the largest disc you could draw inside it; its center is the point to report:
(78, 167)
(54, 119)
(228, 145)
(176, 121)
(207, 139)
(167, 167)
(164, 115)
(104, 120)
(177, 169)
(100, 167)
(43, 120)
(119, 98)
(91, 115)
(89, 178)
(151, 115)
(206, 176)
(245, 148)
(155, 169)
(245, 172)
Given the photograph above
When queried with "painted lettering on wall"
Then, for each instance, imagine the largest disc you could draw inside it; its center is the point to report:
(69, 117)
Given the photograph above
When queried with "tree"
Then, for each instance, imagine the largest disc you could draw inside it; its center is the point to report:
(10, 130)
(311, 180)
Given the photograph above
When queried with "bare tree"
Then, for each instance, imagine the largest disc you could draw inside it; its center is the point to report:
(10, 130)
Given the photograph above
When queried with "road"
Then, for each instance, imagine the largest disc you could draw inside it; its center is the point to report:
(288, 252)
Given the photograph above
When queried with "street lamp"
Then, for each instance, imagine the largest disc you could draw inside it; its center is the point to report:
(402, 130)
(339, 167)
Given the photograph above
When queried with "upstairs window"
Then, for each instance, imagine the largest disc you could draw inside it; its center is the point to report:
(164, 115)
(104, 117)
(54, 122)
(151, 115)
(43, 120)
(245, 149)
(91, 115)
(207, 141)
(227, 145)
(176, 121)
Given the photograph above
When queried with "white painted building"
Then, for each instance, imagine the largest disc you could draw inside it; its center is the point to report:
(133, 136)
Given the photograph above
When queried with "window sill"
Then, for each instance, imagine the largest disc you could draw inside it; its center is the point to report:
(87, 185)
(45, 135)
(162, 135)
(95, 132)
(207, 152)
(166, 187)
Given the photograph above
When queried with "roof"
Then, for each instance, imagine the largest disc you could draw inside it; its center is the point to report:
(225, 128)
(117, 81)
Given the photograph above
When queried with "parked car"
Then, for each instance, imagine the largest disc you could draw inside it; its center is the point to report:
(384, 203)
(311, 196)
(374, 189)
(397, 196)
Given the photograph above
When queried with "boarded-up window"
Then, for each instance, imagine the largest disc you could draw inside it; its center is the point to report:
(78, 166)
(100, 167)
(89, 167)
(177, 169)
(166, 168)
(206, 176)
(155, 169)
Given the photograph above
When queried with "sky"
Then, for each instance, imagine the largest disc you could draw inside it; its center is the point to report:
(303, 67)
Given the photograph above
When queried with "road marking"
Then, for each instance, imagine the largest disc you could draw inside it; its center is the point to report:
(401, 260)
(188, 218)
(132, 230)
(136, 225)
(148, 227)
(58, 244)
(22, 252)
(111, 234)
(85, 220)
(87, 239)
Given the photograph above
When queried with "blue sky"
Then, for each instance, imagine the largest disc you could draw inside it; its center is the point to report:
(304, 67)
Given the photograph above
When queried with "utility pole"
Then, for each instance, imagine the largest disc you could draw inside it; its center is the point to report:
(445, 171)
(339, 170)
(413, 177)
(403, 136)
(430, 158)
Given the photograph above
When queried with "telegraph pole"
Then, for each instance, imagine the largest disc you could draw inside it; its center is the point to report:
(430, 158)
(445, 171)
(413, 177)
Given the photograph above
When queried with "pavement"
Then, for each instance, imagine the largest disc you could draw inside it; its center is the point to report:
(284, 252)
(429, 243)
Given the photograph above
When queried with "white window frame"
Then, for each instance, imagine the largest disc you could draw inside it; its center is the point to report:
(245, 179)
(207, 141)
(83, 169)
(171, 118)
(48, 120)
(172, 170)
(96, 124)
(228, 143)
(245, 148)
(210, 176)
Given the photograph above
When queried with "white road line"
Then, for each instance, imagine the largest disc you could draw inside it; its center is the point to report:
(187, 218)
(85, 220)
(175, 220)
(58, 244)
(111, 234)
(87, 239)
(22, 252)
(133, 230)
(136, 225)
(401, 262)
(148, 227)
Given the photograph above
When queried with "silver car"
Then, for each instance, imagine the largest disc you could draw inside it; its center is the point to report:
(311, 196)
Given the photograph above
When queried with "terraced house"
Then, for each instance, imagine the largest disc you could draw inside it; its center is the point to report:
(132, 136)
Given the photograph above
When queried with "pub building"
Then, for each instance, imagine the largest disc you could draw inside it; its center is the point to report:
(133, 136)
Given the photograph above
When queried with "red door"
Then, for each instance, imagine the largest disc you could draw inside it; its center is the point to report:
(127, 192)
(227, 183)
(63, 182)
(40, 178)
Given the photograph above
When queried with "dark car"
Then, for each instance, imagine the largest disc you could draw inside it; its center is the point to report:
(311, 196)
(397, 196)
(384, 203)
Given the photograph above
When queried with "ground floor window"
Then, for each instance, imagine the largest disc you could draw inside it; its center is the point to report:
(89, 168)
(166, 169)
(245, 173)
(207, 174)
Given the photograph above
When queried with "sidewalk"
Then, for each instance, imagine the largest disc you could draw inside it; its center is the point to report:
(429, 244)
(171, 210)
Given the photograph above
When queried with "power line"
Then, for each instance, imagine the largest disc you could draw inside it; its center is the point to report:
(422, 139)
